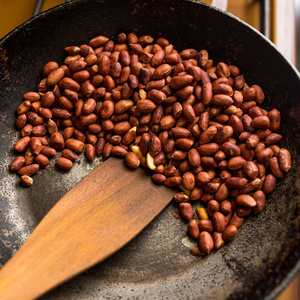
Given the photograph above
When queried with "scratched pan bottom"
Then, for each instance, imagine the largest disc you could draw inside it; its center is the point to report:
(156, 264)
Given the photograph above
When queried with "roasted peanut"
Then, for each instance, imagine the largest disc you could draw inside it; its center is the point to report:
(245, 201)
(75, 145)
(26, 180)
(285, 162)
(269, 184)
(22, 144)
(195, 123)
(64, 163)
(90, 152)
(42, 160)
(17, 163)
(229, 233)
(219, 221)
(193, 229)
(206, 243)
(29, 170)
(186, 211)
(260, 199)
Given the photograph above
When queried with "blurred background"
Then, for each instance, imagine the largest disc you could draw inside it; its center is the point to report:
(278, 20)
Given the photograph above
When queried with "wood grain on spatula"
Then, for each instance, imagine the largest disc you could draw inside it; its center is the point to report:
(97, 217)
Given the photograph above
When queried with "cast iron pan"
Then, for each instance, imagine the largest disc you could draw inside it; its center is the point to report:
(262, 259)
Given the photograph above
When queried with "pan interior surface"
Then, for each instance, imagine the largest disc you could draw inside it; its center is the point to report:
(157, 263)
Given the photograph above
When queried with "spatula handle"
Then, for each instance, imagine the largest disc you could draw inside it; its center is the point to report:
(97, 217)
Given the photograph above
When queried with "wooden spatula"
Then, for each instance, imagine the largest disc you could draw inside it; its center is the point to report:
(97, 217)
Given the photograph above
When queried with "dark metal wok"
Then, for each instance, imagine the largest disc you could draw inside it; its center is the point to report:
(262, 259)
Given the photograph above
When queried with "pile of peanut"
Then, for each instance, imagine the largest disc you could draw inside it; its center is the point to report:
(195, 123)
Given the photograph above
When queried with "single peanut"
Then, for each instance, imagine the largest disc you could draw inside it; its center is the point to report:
(245, 201)
(29, 170)
(186, 211)
(229, 233)
(90, 152)
(193, 229)
(284, 158)
(75, 145)
(219, 221)
(218, 240)
(64, 163)
(17, 163)
(201, 213)
(206, 243)
(22, 144)
(26, 180)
